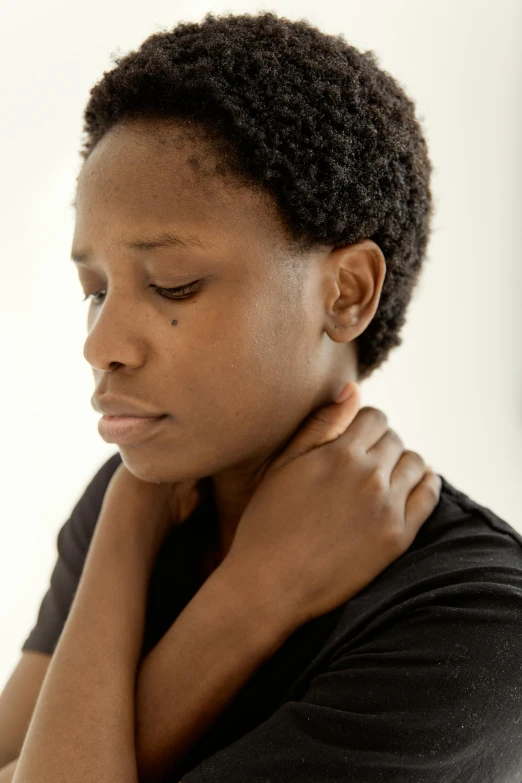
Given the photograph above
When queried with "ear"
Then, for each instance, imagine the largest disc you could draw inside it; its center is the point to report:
(354, 276)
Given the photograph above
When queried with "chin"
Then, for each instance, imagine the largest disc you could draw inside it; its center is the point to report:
(153, 468)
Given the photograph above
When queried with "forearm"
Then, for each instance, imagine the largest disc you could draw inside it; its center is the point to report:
(214, 647)
(83, 726)
(94, 719)
(216, 644)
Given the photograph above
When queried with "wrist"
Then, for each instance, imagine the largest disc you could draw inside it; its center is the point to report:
(269, 613)
(138, 526)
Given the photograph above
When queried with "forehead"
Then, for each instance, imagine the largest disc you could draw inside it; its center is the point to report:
(145, 175)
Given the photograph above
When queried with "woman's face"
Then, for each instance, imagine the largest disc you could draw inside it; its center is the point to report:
(240, 362)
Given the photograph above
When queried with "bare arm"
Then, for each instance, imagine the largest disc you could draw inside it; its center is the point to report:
(214, 647)
(95, 717)
(185, 682)
(83, 725)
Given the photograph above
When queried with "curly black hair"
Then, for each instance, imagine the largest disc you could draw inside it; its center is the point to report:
(299, 115)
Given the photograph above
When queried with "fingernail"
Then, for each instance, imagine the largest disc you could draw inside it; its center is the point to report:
(346, 392)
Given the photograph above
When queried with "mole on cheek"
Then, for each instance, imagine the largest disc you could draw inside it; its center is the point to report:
(174, 323)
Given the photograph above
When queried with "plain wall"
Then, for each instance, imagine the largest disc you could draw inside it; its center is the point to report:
(452, 390)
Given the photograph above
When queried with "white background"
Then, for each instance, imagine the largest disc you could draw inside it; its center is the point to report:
(452, 390)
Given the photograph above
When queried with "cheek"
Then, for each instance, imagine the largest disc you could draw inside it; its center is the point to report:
(246, 397)
(241, 377)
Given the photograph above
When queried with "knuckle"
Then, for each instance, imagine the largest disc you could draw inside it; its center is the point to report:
(342, 452)
(394, 436)
(374, 413)
(379, 479)
(414, 457)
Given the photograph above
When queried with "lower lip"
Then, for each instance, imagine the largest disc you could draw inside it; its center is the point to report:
(128, 429)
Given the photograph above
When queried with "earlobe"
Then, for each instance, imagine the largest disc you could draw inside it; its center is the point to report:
(354, 321)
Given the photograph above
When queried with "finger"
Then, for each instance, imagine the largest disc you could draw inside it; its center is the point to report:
(323, 426)
(405, 478)
(408, 471)
(367, 428)
(421, 503)
(387, 452)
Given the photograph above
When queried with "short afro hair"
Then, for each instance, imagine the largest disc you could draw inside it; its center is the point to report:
(307, 119)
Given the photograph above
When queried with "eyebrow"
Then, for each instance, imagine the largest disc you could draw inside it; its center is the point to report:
(165, 239)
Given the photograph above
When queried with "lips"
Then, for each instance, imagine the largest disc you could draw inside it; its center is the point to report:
(112, 405)
(129, 429)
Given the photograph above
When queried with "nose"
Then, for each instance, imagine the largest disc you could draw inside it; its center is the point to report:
(114, 337)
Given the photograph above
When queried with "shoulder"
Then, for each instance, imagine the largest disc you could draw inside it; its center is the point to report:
(457, 505)
(73, 541)
(465, 565)
(461, 535)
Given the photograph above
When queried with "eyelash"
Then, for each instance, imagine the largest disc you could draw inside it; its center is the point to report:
(190, 288)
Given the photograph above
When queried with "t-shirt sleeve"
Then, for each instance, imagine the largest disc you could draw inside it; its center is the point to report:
(73, 543)
(433, 697)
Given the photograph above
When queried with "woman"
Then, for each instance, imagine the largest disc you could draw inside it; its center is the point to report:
(266, 585)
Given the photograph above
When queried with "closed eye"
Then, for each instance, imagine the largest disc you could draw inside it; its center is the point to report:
(181, 292)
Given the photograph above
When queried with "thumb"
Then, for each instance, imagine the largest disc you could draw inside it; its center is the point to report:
(323, 425)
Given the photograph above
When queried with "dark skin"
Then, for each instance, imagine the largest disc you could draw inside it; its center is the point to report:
(263, 357)
(241, 362)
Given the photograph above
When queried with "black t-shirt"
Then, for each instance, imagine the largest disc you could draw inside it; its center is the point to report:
(417, 679)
